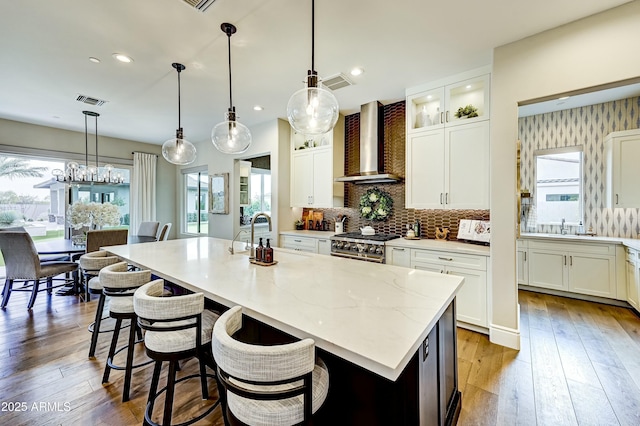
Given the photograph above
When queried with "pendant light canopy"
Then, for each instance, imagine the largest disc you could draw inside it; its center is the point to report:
(230, 136)
(88, 173)
(178, 150)
(313, 110)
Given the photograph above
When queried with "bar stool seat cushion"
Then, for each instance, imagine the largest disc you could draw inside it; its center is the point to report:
(279, 412)
(94, 284)
(179, 340)
(122, 304)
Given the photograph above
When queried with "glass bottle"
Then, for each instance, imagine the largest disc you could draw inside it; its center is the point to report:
(268, 253)
(416, 228)
(260, 252)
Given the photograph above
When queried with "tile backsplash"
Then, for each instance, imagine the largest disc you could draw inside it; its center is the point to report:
(394, 160)
(586, 126)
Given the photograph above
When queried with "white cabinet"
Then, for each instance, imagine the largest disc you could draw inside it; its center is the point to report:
(320, 245)
(633, 277)
(472, 306)
(398, 256)
(430, 106)
(522, 266)
(622, 150)
(315, 162)
(448, 168)
(244, 173)
(579, 268)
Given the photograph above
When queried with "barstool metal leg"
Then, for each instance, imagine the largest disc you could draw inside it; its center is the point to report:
(129, 366)
(112, 350)
(96, 325)
(168, 402)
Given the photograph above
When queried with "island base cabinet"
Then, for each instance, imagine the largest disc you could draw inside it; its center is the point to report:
(425, 394)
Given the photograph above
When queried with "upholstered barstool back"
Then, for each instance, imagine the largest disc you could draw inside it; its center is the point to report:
(148, 229)
(23, 264)
(91, 264)
(177, 327)
(268, 385)
(120, 283)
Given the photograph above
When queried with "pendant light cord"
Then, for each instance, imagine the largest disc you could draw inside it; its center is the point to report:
(179, 125)
(97, 165)
(229, 49)
(86, 143)
(313, 31)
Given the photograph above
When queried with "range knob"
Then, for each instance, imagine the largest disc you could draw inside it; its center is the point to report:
(354, 247)
(334, 244)
(346, 246)
(379, 250)
(372, 249)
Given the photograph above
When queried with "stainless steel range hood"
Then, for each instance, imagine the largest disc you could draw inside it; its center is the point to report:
(371, 148)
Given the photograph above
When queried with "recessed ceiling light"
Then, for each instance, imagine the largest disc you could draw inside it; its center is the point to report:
(94, 60)
(429, 96)
(468, 86)
(356, 71)
(258, 107)
(564, 98)
(122, 58)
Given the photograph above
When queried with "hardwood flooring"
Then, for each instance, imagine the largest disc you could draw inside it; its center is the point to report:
(579, 364)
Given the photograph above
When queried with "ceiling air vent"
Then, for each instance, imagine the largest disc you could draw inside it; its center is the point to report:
(200, 5)
(91, 101)
(336, 82)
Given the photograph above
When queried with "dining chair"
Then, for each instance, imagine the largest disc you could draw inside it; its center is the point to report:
(120, 284)
(164, 232)
(105, 237)
(267, 385)
(176, 328)
(23, 265)
(148, 229)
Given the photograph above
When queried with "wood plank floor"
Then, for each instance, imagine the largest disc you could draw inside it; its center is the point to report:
(579, 364)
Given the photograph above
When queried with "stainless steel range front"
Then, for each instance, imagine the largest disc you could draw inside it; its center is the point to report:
(354, 245)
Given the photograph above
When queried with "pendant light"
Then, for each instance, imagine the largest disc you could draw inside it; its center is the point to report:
(313, 110)
(230, 136)
(88, 174)
(178, 150)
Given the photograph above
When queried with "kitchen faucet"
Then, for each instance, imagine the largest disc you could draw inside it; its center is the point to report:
(252, 254)
(234, 240)
(563, 228)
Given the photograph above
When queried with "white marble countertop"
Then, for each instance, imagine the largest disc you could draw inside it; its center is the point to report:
(455, 246)
(629, 242)
(309, 233)
(375, 316)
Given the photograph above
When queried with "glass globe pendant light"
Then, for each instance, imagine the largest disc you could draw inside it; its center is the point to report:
(178, 150)
(313, 110)
(230, 136)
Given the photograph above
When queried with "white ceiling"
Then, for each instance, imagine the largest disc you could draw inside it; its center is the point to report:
(46, 47)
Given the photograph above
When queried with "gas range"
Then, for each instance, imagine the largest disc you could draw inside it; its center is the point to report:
(354, 245)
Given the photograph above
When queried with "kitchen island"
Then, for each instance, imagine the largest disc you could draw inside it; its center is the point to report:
(386, 333)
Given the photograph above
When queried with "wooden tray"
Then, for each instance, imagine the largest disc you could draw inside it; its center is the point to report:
(257, 262)
(412, 238)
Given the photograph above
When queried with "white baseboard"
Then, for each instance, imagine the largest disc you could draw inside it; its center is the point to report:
(506, 336)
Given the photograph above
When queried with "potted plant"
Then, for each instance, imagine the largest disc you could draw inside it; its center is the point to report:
(299, 224)
(467, 112)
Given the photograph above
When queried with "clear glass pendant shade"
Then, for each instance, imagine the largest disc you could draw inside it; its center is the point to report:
(179, 151)
(313, 111)
(231, 137)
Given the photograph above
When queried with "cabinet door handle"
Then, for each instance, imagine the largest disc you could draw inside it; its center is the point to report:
(446, 198)
(525, 256)
(441, 198)
(570, 260)
(447, 116)
(442, 271)
(298, 241)
(565, 260)
(441, 117)
(323, 241)
(446, 258)
(398, 249)
(616, 198)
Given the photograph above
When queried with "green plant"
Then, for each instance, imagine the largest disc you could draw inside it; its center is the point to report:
(8, 217)
(298, 222)
(468, 111)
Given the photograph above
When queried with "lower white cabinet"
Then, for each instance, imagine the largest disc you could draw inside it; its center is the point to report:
(320, 245)
(471, 301)
(324, 246)
(574, 267)
(522, 267)
(633, 277)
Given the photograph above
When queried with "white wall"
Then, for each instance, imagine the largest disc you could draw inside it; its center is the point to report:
(267, 138)
(57, 143)
(597, 50)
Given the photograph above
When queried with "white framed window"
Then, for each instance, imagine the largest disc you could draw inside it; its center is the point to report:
(559, 190)
(260, 192)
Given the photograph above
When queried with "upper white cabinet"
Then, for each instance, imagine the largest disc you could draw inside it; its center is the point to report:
(244, 172)
(448, 168)
(436, 107)
(315, 162)
(622, 172)
(447, 157)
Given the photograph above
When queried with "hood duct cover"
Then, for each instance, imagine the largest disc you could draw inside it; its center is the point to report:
(371, 148)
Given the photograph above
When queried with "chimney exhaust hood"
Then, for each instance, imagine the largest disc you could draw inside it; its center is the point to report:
(371, 148)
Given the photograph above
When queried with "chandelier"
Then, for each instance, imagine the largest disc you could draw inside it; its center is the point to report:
(88, 173)
(312, 110)
(230, 136)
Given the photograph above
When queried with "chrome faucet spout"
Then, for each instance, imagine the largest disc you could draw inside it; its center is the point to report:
(252, 254)
(234, 240)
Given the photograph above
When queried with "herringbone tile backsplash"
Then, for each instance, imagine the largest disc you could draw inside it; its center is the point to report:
(394, 160)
